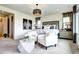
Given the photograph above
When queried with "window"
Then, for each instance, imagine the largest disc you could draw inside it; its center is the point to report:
(66, 23)
(38, 24)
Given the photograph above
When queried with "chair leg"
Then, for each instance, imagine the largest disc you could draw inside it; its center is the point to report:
(46, 48)
(55, 45)
(36, 42)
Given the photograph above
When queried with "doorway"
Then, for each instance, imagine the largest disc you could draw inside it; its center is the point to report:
(6, 24)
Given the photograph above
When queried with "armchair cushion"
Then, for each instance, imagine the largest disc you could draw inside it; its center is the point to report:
(50, 38)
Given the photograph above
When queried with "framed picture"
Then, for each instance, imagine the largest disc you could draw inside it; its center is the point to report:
(27, 24)
(30, 22)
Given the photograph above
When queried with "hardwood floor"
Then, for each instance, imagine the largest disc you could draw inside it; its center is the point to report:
(9, 46)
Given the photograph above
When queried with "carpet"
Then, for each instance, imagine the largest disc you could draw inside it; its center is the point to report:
(9, 46)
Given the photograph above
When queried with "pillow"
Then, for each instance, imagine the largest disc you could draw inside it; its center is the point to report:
(41, 31)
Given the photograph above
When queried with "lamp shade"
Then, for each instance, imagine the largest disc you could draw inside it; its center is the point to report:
(37, 12)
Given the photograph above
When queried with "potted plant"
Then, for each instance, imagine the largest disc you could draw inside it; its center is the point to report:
(5, 35)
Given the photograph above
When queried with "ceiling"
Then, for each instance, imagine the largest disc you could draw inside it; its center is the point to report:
(47, 9)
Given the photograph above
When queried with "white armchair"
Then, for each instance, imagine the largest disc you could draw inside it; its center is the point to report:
(48, 39)
(28, 43)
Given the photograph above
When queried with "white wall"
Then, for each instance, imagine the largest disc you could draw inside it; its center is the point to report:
(54, 17)
(18, 21)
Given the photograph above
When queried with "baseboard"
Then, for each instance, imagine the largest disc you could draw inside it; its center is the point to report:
(65, 38)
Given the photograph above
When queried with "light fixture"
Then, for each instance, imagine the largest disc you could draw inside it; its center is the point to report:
(37, 12)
